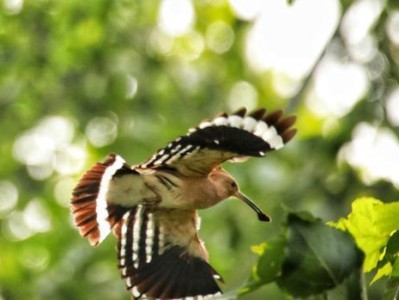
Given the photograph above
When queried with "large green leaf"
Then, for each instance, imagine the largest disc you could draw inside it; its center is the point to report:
(268, 266)
(318, 257)
(372, 223)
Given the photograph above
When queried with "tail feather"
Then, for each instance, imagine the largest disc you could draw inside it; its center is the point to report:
(92, 214)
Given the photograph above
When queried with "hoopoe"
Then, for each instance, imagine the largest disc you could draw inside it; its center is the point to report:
(152, 207)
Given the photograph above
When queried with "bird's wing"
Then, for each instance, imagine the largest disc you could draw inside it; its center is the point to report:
(104, 194)
(161, 256)
(222, 138)
(160, 253)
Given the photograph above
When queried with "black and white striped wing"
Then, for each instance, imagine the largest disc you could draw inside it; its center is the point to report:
(161, 257)
(225, 137)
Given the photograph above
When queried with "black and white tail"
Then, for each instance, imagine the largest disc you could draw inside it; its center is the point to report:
(92, 214)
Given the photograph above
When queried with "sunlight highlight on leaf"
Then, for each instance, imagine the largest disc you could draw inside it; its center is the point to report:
(371, 223)
(386, 270)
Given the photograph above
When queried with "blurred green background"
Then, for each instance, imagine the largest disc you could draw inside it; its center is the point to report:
(80, 79)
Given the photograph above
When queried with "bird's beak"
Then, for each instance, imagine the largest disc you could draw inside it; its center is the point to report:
(261, 215)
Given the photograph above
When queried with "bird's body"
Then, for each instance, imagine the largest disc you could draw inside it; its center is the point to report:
(152, 207)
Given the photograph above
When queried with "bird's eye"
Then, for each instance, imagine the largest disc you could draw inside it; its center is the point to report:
(233, 184)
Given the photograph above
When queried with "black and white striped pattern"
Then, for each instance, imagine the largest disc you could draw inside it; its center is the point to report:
(139, 239)
(154, 267)
(225, 137)
(93, 215)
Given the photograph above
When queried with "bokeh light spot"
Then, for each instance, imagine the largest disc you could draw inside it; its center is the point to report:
(289, 38)
(160, 43)
(70, 160)
(190, 46)
(246, 9)
(131, 86)
(373, 151)
(8, 197)
(101, 131)
(337, 87)
(392, 107)
(392, 27)
(358, 20)
(176, 16)
(363, 51)
(219, 37)
(41, 171)
(17, 229)
(37, 147)
(34, 148)
(13, 6)
(63, 191)
(36, 216)
(243, 94)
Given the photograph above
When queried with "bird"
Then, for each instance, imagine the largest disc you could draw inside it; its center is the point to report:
(151, 207)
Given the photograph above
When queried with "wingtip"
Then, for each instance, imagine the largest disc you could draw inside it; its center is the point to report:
(240, 112)
(258, 113)
(288, 135)
(273, 117)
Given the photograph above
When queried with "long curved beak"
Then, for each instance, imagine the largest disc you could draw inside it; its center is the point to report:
(261, 215)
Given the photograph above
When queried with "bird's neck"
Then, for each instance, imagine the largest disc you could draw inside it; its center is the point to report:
(200, 193)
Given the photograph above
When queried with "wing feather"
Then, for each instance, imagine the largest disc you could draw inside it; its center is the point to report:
(223, 138)
(172, 266)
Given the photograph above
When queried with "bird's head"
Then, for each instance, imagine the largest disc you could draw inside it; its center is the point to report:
(227, 186)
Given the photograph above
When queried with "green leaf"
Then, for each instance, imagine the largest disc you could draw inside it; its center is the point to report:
(392, 248)
(371, 223)
(391, 289)
(395, 268)
(318, 257)
(268, 266)
(388, 265)
(385, 270)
